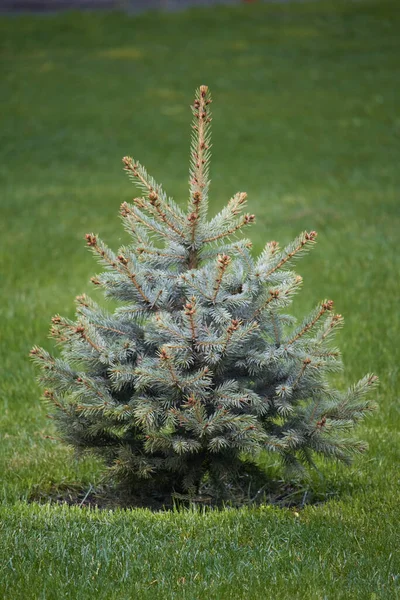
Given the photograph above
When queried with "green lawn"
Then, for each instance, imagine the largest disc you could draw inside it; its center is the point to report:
(305, 120)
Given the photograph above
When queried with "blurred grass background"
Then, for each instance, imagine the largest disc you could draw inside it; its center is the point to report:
(306, 121)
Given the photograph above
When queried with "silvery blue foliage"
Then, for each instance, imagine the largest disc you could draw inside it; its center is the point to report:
(200, 365)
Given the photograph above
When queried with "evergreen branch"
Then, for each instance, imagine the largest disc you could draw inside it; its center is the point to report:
(119, 263)
(87, 383)
(235, 335)
(316, 353)
(166, 359)
(306, 364)
(51, 397)
(229, 333)
(238, 248)
(84, 302)
(134, 215)
(132, 227)
(198, 174)
(245, 255)
(174, 331)
(247, 219)
(63, 329)
(199, 157)
(335, 321)
(190, 283)
(154, 207)
(236, 203)
(204, 343)
(176, 346)
(238, 332)
(205, 372)
(154, 304)
(56, 373)
(270, 250)
(183, 445)
(275, 328)
(223, 262)
(190, 312)
(146, 411)
(292, 250)
(112, 329)
(160, 254)
(121, 375)
(106, 255)
(279, 295)
(133, 277)
(146, 379)
(90, 409)
(274, 444)
(314, 410)
(325, 306)
(228, 214)
(352, 404)
(154, 191)
(273, 295)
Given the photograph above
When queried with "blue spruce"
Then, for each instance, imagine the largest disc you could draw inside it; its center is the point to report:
(200, 369)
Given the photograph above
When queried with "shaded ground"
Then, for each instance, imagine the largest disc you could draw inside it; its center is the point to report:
(276, 493)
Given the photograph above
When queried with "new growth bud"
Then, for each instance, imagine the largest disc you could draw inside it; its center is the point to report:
(82, 300)
(328, 305)
(235, 323)
(192, 217)
(153, 197)
(196, 198)
(127, 161)
(163, 354)
(91, 239)
(223, 260)
(124, 209)
(310, 237)
(122, 259)
(189, 310)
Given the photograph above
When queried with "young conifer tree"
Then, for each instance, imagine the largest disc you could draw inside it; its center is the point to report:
(200, 365)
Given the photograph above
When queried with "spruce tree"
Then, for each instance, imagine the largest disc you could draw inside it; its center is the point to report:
(200, 369)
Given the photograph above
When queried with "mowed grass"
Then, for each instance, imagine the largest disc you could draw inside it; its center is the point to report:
(306, 121)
